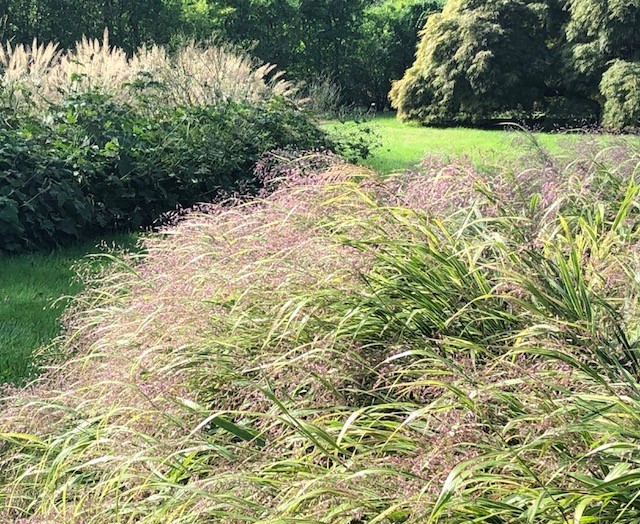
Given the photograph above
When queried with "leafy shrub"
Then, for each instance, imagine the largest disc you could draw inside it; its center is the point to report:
(110, 166)
(139, 167)
(135, 136)
(41, 201)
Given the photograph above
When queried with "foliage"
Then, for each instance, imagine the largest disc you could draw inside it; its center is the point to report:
(598, 32)
(95, 165)
(444, 346)
(41, 201)
(521, 59)
(131, 22)
(475, 60)
(387, 46)
(363, 44)
(620, 89)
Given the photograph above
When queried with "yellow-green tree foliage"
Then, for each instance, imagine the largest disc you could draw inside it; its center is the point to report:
(476, 58)
(597, 32)
(620, 91)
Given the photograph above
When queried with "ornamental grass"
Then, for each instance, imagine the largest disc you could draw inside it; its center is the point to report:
(447, 345)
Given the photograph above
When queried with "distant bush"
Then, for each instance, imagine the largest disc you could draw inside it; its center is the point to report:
(470, 63)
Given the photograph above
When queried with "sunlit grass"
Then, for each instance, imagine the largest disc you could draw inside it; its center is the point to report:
(31, 285)
(451, 345)
(404, 144)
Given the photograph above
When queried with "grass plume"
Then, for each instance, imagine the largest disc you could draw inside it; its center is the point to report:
(41, 73)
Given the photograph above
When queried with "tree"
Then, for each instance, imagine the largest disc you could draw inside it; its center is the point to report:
(307, 38)
(598, 32)
(271, 29)
(130, 22)
(478, 58)
(362, 44)
(602, 57)
(620, 91)
(386, 46)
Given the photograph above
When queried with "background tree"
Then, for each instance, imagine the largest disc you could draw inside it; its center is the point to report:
(477, 58)
(599, 31)
(269, 28)
(131, 23)
(389, 36)
(360, 44)
(307, 38)
(601, 56)
(620, 92)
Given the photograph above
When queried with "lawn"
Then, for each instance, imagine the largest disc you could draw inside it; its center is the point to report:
(403, 144)
(33, 288)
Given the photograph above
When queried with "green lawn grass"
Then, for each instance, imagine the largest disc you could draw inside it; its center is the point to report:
(32, 291)
(404, 144)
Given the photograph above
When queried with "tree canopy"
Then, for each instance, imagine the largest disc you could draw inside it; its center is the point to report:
(598, 32)
(130, 22)
(476, 58)
(479, 59)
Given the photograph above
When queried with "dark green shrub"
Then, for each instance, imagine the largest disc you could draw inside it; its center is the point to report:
(138, 165)
(42, 203)
(96, 165)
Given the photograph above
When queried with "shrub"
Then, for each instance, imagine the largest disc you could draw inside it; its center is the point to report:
(41, 201)
(140, 167)
(131, 137)
(96, 165)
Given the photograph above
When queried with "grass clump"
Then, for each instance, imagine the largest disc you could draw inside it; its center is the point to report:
(36, 75)
(449, 345)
